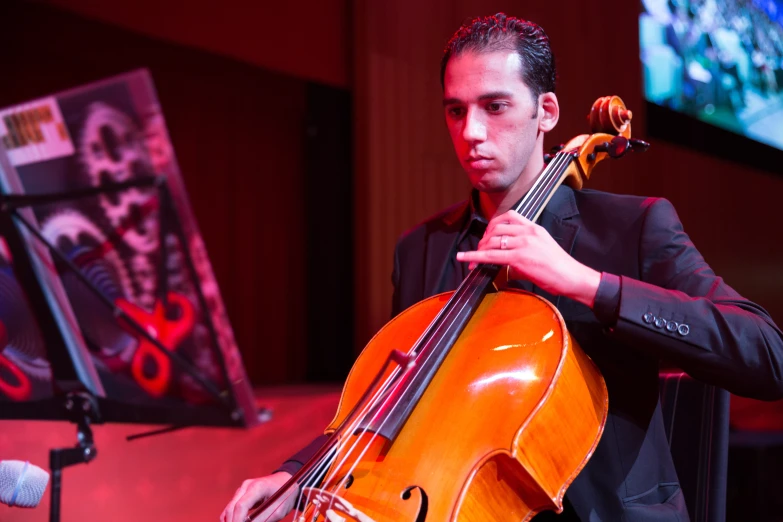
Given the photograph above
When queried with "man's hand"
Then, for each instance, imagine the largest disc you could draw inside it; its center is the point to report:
(254, 490)
(532, 254)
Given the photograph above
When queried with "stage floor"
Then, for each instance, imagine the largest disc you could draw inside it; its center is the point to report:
(187, 475)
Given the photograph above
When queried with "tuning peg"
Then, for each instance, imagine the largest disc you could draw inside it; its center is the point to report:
(618, 146)
(552, 152)
(615, 148)
(639, 145)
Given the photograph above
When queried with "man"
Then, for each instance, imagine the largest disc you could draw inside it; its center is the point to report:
(628, 281)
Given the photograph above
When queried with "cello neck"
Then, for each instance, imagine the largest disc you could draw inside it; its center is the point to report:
(536, 199)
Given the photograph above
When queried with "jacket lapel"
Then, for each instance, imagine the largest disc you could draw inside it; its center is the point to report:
(557, 220)
(440, 245)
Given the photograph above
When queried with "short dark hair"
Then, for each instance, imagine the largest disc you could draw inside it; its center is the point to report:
(507, 33)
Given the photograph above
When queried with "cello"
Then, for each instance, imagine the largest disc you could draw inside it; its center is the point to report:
(471, 405)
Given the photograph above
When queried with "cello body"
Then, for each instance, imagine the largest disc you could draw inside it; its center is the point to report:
(510, 419)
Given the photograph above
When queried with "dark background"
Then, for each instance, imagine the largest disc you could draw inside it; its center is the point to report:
(266, 159)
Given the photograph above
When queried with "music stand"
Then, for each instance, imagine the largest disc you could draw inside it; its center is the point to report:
(160, 385)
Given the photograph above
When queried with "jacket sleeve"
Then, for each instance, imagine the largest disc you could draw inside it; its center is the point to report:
(295, 462)
(681, 311)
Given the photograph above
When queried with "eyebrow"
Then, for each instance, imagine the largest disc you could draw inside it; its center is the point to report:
(488, 96)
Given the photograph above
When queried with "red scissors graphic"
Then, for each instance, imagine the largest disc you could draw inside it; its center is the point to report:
(21, 390)
(150, 367)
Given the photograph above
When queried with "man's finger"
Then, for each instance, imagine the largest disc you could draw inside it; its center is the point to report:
(512, 216)
(484, 256)
(276, 510)
(227, 513)
(504, 228)
(243, 505)
(240, 511)
(508, 230)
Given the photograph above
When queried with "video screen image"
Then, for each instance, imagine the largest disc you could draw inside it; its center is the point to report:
(720, 61)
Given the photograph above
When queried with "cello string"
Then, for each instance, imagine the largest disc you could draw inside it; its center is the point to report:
(312, 473)
(540, 188)
(341, 444)
(528, 206)
(310, 478)
(553, 167)
(553, 183)
(311, 481)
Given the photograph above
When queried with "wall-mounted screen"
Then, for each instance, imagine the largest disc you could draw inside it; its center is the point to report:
(719, 61)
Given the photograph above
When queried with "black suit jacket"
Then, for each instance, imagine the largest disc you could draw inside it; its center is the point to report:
(672, 307)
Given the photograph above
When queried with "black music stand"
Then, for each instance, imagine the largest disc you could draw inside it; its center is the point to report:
(77, 162)
(82, 407)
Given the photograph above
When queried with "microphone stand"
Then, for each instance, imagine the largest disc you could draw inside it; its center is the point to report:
(81, 408)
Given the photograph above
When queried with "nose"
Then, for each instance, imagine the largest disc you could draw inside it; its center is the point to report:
(474, 130)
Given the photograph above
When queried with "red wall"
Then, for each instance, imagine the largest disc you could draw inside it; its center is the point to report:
(307, 39)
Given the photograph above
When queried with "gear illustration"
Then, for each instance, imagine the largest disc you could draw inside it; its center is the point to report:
(77, 237)
(145, 276)
(178, 275)
(112, 150)
(37, 368)
(70, 229)
(25, 346)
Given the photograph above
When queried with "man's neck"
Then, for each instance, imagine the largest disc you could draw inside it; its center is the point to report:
(493, 204)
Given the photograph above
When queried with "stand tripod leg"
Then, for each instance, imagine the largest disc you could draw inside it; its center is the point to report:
(82, 453)
(56, 484)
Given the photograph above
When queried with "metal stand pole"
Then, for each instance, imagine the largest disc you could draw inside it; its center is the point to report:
(82, 407)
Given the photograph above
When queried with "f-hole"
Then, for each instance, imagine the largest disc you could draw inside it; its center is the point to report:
(406, 495)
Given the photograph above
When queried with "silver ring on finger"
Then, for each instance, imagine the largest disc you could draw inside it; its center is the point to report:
(503, 242)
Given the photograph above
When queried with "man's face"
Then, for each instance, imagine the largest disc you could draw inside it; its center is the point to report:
(492, 118)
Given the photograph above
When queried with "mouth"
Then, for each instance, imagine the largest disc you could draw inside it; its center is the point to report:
(478, 162)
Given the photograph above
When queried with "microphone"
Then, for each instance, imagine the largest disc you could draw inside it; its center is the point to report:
(21, 484)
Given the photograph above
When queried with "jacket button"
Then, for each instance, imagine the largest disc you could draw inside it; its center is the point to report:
(672, 326)
(683, 329)
(660, 322)
(648, 318)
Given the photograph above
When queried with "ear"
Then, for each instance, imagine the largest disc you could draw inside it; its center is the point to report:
(548, 111)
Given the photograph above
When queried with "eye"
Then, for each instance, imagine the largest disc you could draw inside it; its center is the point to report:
(455, 112)
(496, 107)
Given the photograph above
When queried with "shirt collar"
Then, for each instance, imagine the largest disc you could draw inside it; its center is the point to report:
(474, 217)
(561, 206)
